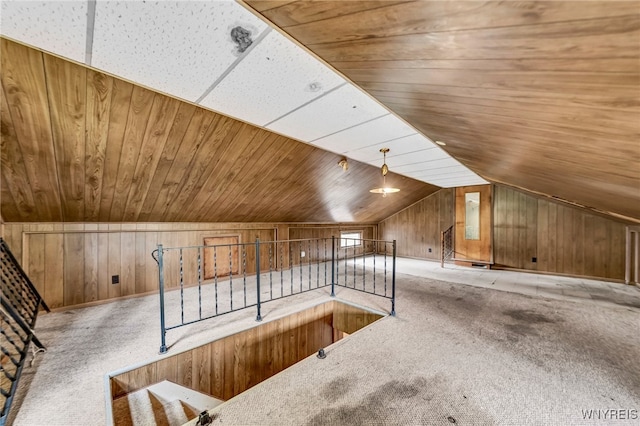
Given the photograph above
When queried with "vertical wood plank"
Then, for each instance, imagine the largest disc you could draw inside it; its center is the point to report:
(67, 105)
(127, 263)
(139, 110)
(140, 280)
(36, 264)
(185, 368)
(99, 96)
(201, 378)
(54, 270)
(24, 84)
(91, 267)
(114, 264)
(73, 269)
(217, 369)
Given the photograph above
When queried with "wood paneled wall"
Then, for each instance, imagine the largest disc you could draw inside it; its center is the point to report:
(563, 239)
(73, 264)
(228, 366)
(417, 228)
(314, 253)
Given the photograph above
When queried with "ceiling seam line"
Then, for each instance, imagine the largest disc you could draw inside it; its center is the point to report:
(305, 104)
(234, 64)
(386, 141)
(91, 20)
(351, 127)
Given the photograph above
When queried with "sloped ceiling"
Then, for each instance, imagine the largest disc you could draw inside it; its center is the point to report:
(79, 145)
(540, 95)
(188, 50)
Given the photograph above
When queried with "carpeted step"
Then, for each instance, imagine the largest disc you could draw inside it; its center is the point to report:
(162, 404)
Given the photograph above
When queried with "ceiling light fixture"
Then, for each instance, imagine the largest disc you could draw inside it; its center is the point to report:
(384, 190)
(344, 164)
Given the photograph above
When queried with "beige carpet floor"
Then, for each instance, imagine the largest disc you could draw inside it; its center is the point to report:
(454, 354)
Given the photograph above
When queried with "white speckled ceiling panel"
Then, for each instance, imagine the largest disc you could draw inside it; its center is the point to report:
(54, 26)
(418, 157)
(366, 136)
(465, 181)
(277, 77)
(428, 165)
(343, 108)
(180, 48)
(400, 146)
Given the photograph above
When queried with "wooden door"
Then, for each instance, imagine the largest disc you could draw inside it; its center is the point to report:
(223, 259)
(473, 232)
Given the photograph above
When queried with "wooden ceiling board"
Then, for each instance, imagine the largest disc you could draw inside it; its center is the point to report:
(13, 168)
(544, 96)
(23, 80)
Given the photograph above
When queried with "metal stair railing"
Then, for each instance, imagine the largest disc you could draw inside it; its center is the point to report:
(214, 280)
(20, 303)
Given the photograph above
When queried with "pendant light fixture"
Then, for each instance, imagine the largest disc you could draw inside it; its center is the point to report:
(384, 190)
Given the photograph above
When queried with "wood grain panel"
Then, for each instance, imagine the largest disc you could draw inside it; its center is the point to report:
(139, 111)
(67, 106)
(161, 117)
(385, 19)
(417, 228)
(99, 94)
(15, 181)
(539, 95)
(23, 80)
(563, 239)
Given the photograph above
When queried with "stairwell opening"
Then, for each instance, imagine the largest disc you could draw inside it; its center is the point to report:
(215, 372)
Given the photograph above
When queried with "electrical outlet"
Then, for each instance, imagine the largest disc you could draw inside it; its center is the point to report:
(115, 279)
(534, 259)
(302, 254)
(429, 249)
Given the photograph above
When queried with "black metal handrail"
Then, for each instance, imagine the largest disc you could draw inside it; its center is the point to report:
(20, 302)
(446, 246)
(213, 280)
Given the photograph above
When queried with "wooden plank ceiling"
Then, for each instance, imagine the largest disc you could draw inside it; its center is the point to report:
(79, 145)
(539, 95)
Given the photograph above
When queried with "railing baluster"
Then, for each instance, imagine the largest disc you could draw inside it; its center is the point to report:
(215, 276)
(281, 270)
(355, 256)
(181, 290)
(244, 273)
(309, 261)
(199, 285)
(163, 330)
(385, 269)
(230, 277)
(300, 263)
(393, 282)
(270, 276)
(258, 316)
(291, 266)
(317, 263)
(364, 260)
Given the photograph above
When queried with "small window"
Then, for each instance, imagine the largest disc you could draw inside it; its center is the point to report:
(350, 239)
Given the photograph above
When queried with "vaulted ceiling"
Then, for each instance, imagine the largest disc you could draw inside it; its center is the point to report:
(79, 145)
(540, 95)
